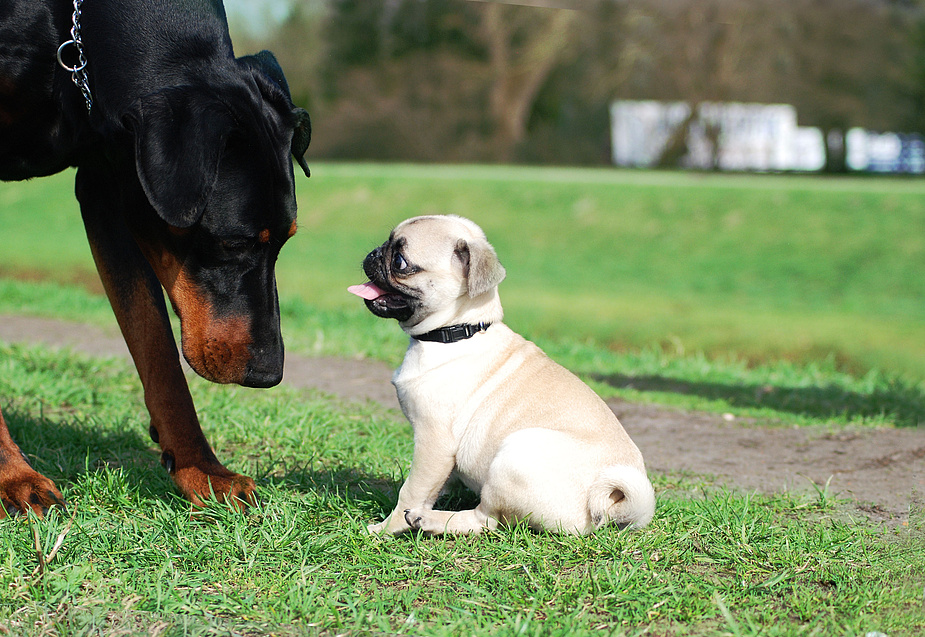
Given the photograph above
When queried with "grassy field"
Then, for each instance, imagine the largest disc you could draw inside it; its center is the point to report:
(687, 289)
(127, 557)
(788, 299)
(759, 267)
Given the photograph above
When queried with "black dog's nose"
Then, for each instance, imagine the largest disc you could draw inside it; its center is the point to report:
(267, 374)
(262, 379)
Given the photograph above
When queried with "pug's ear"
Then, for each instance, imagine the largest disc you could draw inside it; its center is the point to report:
(480, 264)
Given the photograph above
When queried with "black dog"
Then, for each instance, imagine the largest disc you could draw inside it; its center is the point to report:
(184, 180)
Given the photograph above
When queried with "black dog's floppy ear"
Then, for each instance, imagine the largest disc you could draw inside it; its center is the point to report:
(180, 136)
(266, 63)
(481, 266)
(301, 138)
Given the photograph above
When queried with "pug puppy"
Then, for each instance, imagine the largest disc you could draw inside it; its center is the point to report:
(527, 435)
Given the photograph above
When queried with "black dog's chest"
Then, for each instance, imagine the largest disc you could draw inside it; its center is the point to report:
(36, 136)
(35, 139)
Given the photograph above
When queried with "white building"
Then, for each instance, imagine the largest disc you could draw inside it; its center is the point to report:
(727, 136)
(885, 152)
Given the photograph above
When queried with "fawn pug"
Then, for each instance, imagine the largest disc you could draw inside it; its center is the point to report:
(488, 406)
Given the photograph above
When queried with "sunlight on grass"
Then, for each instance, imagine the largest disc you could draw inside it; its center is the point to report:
(131, 557)
(770, 391)
(786, 299)
(765, 266)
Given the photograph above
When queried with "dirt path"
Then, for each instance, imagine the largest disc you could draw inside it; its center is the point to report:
(882, 471)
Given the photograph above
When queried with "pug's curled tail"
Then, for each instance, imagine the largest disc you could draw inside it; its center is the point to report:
(623, 495)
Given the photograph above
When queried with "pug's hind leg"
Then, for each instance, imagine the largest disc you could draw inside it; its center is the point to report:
(436, 522)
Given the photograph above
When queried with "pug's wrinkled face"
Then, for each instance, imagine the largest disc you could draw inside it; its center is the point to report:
(433, 266)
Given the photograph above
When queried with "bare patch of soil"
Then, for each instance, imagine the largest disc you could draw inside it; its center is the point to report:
(881, 470)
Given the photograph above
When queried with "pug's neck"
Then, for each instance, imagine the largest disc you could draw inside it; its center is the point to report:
(484, 309)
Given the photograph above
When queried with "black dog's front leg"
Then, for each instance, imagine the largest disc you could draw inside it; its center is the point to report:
(21, 486)
(138, 303)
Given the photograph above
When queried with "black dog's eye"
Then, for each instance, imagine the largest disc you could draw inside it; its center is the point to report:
(227, 248)
(234, 246)
(398, 262)
(237, 244)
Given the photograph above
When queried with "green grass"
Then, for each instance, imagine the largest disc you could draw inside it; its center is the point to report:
(783, 299)
(769, 267)
(772, 393)
(700, 291)
(759, 268)
(133, 561)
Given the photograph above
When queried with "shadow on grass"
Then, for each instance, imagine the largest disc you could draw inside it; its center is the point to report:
(64, 450)
(67, 450)
(901, 402)
(376, 493)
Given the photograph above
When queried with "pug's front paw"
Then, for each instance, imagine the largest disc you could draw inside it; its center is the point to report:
(394, 524)
(416, 519)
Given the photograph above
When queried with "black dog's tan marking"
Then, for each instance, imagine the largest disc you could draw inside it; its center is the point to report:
(185, 184)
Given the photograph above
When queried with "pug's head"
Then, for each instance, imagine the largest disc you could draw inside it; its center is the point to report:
(434, 271)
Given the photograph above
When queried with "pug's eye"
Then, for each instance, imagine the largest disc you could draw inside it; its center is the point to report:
(398, 262)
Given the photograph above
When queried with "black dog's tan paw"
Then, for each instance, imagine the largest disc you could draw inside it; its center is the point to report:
(28, 490)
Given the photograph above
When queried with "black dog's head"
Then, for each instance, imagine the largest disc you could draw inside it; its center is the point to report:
(214, 164)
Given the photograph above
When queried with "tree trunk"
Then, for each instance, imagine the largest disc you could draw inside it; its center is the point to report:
(521, 61)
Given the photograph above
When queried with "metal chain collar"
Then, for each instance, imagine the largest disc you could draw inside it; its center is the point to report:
(79, 70)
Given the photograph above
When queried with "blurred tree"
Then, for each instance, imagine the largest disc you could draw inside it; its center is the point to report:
(916, 67)
(453, 80)
(402, 80)
(850, 71)
(499, 56)
(524, 46)
(299, 46)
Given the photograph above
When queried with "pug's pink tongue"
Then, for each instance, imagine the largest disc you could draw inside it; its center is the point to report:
(366, 291)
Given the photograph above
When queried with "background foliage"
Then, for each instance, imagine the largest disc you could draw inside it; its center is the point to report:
(451, 80)
(742, 279)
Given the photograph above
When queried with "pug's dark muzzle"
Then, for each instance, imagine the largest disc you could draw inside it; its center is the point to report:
(393, 302)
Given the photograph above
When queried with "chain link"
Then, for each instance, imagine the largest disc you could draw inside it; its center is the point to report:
(79, 70)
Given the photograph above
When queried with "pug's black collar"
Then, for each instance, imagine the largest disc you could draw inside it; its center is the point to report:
(453, 333)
